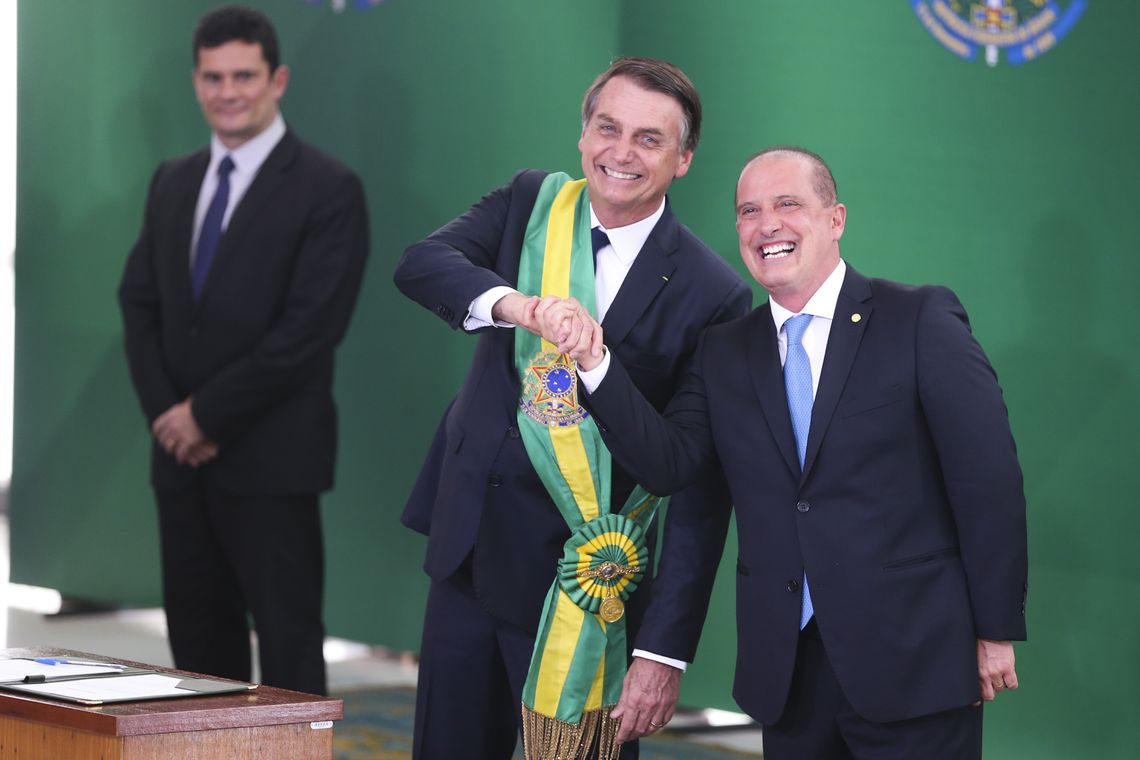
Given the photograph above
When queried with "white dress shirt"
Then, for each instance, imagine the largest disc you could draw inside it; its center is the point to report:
(248, 158)
(821, 306)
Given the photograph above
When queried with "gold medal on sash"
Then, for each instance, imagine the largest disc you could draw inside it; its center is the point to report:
(612, 609)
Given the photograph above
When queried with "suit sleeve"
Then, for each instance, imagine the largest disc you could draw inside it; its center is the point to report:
(665, 451)
(696, 524)
(459, 262)
(322, 293)
(139, 302)
(964, 409)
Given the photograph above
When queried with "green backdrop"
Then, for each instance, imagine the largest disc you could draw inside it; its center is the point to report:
(1011, 184)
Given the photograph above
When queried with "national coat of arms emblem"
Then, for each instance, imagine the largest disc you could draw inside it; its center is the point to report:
(1022, 30)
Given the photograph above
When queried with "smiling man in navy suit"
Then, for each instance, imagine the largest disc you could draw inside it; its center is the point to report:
(495, 534)
(234, 298)
(879, 502)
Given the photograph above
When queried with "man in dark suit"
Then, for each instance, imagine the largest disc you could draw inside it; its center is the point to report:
(234, 298)
(495, 536)
(879, 502)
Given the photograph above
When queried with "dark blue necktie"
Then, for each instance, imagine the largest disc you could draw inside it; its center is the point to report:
(797, 384)
(211, 232)
(600, 240)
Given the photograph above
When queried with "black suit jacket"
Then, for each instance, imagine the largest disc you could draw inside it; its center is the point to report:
(476, 492)
(909, 515)
(256, 351)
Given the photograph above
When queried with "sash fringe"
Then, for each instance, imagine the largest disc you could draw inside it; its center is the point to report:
(546, 738)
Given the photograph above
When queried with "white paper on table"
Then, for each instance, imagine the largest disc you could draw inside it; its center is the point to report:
(146, 686)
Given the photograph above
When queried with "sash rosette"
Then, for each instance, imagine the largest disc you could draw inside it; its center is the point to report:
(604, 559)
(579, 659)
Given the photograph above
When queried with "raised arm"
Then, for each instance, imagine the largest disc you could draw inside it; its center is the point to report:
(459, 264)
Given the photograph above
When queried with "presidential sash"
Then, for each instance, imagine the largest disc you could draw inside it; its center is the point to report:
(579, 659)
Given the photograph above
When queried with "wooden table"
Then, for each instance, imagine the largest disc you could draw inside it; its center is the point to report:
(263, 724)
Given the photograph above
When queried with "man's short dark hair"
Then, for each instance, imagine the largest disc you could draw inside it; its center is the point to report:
(823, 181)
(235, 22)
(657, 76)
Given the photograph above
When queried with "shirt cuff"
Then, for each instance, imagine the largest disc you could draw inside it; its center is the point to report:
(680, 665)
(479, 312)
(592, 378)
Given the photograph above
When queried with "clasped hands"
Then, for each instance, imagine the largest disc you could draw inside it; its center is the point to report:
(178, 434)
(563, 322)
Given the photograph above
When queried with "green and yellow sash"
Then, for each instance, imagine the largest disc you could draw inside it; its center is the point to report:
(579, 660)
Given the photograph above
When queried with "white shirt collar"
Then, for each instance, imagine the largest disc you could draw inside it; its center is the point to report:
(822, 302)
(628, 240)
(251, 154)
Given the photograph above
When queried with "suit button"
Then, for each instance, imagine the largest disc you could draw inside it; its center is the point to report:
(803, 506)
(793, 585)
(494, 481)
(513, 431)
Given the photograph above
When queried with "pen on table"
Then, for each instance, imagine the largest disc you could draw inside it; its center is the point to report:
(88, 663)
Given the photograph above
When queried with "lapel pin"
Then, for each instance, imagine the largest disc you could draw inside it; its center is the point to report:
(856, 317)
(663, 277)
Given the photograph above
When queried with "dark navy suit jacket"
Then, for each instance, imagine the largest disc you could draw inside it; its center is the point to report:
(477, 495)
(909, 515)
(256, 350)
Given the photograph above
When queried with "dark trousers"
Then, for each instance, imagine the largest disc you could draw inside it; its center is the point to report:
(819, 723)
(472, 671)
(226, 557)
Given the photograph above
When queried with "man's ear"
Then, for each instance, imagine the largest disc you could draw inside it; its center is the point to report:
(279, 80)
(838, 221)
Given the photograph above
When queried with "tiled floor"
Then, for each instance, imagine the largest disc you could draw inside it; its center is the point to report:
(141, 635)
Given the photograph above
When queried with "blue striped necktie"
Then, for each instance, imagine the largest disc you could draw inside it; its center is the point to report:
(797, 384)
(211, 233)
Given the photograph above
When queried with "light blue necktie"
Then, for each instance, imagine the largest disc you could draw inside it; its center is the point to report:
(211, 233)
(797, 384)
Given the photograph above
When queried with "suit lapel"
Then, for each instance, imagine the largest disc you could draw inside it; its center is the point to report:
(271, 174)
(768, 379)
(650, 271)
(847, 331)
(269, 177)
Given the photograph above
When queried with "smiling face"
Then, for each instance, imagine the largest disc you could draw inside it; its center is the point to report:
(631, 151)
(789, 236)
(236, 90)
